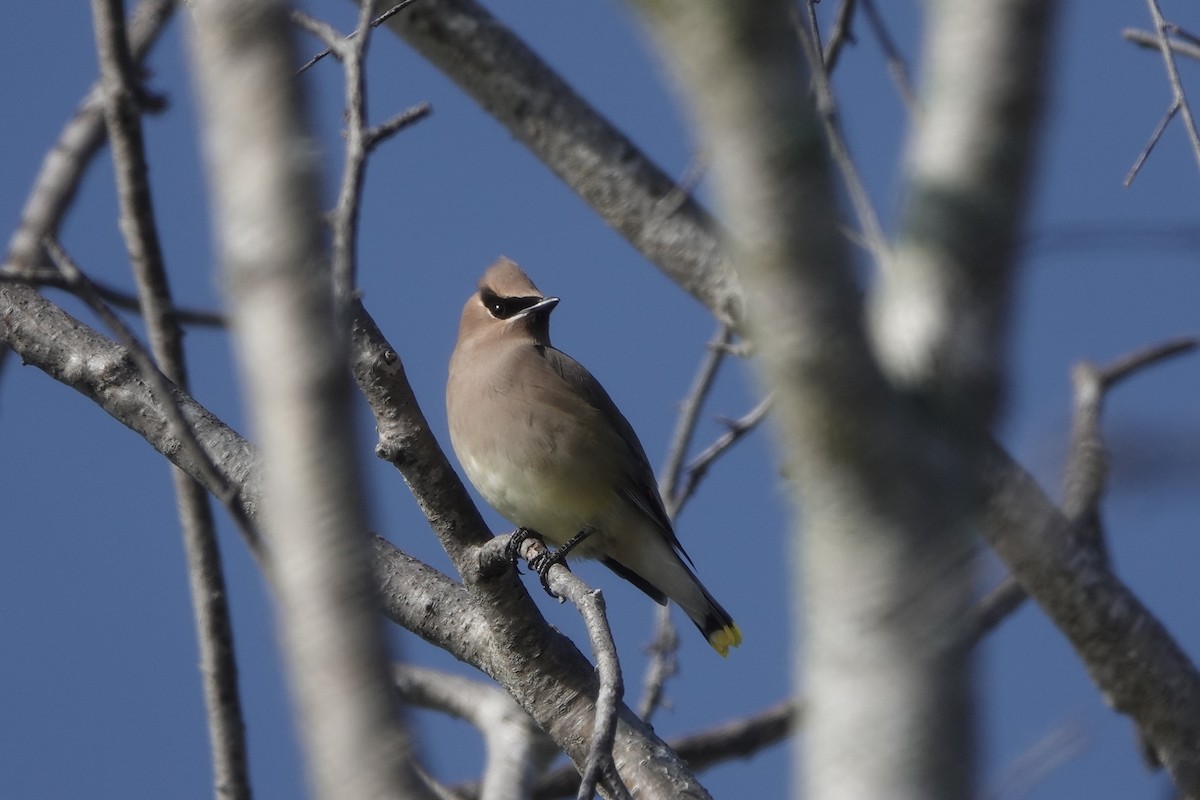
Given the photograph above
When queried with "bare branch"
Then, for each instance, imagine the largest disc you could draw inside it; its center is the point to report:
(327, 33)
(1150, 40)
(165, 396)
(1168, 55)
(564, 584)
(1085, 473)
(629, 192)
(385, 130)
(895, 60)
(1138, 667)
(841, 34)
(689, 416)
(739, 738)
(218, 667)
(517, 749)
(63, 167)
(1061, 744)
(735, 430)
(406, 441)
(872, 232)
(1154, 137)
(114, 297)
(345, 216)
(995, 607)
(263, 179)
(663, 665)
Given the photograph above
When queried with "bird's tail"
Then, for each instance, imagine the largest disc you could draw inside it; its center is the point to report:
(714, 622)
(664, 576)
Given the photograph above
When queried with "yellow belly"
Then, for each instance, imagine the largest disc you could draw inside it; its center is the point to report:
(557, 503)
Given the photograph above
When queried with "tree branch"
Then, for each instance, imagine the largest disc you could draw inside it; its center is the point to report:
(65, 163)
(517, 750)
(206, 579)
(293, 349)
(1177, 92)
(603, 166)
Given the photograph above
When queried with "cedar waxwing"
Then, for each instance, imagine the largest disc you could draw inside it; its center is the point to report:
(544, 444)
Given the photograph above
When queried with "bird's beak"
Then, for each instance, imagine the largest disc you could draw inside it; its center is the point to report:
(540, 308)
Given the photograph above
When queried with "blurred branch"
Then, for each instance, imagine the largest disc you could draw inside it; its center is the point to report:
(206, 578)
(1061, 744)
(663, 664)
(1085, 474)
(895, 60)
(843, 19)
(740, 738)
(293, 351)
(1135, 663)
(177, 432)
(517, 749)
(875, 240)
(114, 297)
(1150, 40)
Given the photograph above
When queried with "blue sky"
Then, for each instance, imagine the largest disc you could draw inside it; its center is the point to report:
(98, 682)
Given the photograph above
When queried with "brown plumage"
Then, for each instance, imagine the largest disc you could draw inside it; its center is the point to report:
(544, 444)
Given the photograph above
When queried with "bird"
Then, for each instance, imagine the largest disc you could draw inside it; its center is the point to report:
(546, 447)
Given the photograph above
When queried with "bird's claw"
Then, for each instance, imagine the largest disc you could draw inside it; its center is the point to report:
(512, 550)
(541, 564)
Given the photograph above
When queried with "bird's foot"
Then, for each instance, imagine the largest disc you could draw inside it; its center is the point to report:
(512, 550)
(542, 563)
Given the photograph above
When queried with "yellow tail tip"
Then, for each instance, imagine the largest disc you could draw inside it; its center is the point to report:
(725, 638)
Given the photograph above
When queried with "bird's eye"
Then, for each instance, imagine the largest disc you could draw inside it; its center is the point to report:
(505, 307)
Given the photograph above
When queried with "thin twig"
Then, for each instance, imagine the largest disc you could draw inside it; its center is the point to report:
(360, 139)
(995, 607)
(1061, 744)
(664, 663)
(1168, 55)
(689, 415)
(1154, 137)
(841, 34)
(62, 169)
(163, 391)
(1124, 367)
(897, 67)
(663, 648)
(345, 218)
(333, 47)
(117, 298)
(206, 578)
(1185, 34)
(860, 198)
(1149, 40)
(681, 192)
(735, 430)
(380, 133)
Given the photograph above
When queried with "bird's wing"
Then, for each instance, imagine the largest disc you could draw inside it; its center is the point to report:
(641, 488)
